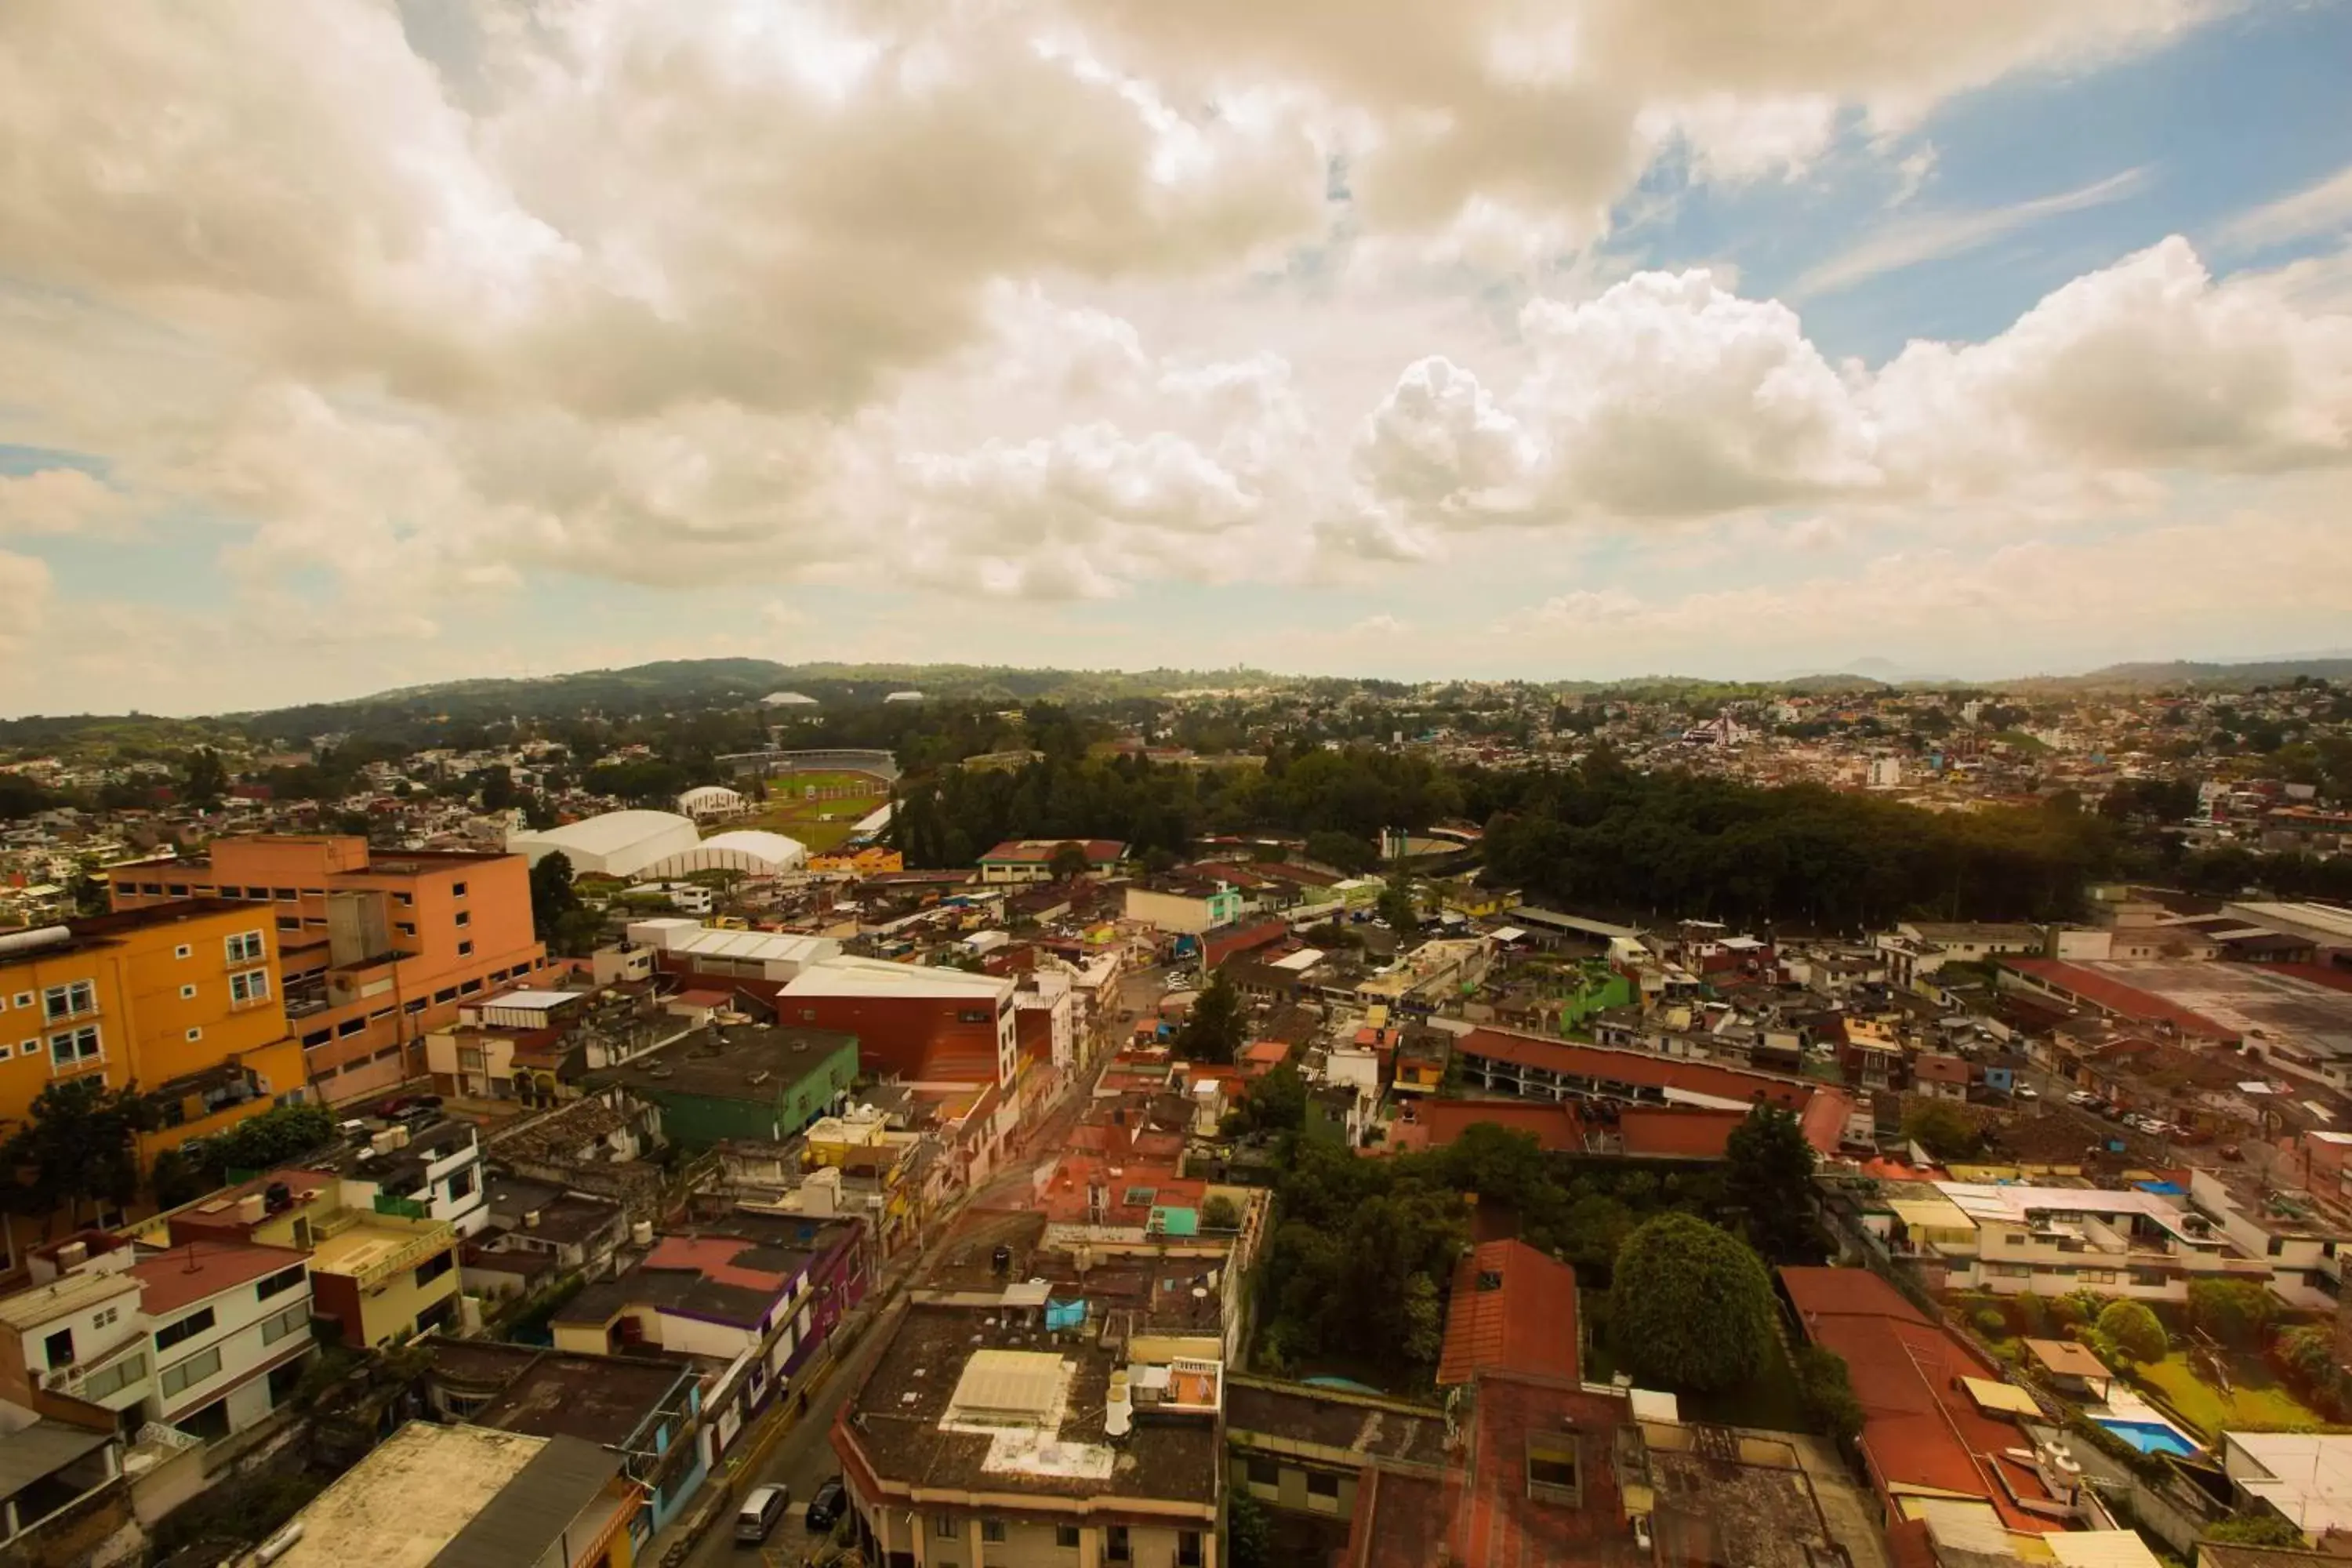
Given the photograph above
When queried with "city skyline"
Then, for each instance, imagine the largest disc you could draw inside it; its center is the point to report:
(371, 346)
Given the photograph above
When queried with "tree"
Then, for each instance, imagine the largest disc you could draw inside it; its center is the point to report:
(204, 778)
(274, 1138)
(78, 1146)
(1249, 1530)
(1769, 1168)
(552, 896)
(1068, 861)
(1397, 909)
(2132, 1329)
(1827, 1390)
(1425, 1319)
(1690, 1306)
(1343, 852)
(2235, 1312)
(1943, 1128)
(1275, 1103)
(1221, 1212)
(1213, 1033)
(498, 787)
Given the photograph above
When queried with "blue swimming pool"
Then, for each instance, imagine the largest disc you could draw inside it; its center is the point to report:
(2148, 1436)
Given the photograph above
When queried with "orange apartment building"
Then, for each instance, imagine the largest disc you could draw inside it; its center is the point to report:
(184, 999)
(379, 946)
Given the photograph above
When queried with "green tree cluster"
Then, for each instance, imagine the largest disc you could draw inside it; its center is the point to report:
(1769, 1175)
(1217, 1028)
(1690, 1306)
(2238, 1312)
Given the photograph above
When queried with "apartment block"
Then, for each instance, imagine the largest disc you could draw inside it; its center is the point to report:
(184, 998)
(377, 947)
(920, 1023)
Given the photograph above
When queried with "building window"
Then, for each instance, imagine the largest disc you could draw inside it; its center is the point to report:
(258, 895)
(70, 1001)
(114, 1379)
(187, 1328)
(246, 947)
(1188, 1549)
(1551, 1469)
(1263, 1472)
(74, 1045)
(1115, 1546)
(456, 890)
(292, 1321)
(432, 1268)
(349, 1027)
(992, 1531)
(106, 1319)
(405, 900)
(59, 1347)
(465, 917)
(25, 998)
(406, 928)
(943, 1525)
(318, 1036)
(183, 951)
(283, 1281)
(289, 922)
(284, 895)
(194, 1035)
(1324, 1485)
(974, 1015)
(416, 1006)
(2278, 1245)
(1067, 1535)
(179, 889)
(253, 985)
(188, 992)
(465, 948)
(182, 1375)
(446, 993)
(8, 1050)
(461, 1186)
(152, 890)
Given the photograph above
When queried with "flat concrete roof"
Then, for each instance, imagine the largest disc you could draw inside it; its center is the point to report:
(410, 1498)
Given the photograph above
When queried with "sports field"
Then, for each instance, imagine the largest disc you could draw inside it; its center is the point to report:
(840, 801)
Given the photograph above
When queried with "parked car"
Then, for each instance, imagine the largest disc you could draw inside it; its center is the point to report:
(825, 1506)
(2081, 1097)
(761, 1511)
(2027, 1091)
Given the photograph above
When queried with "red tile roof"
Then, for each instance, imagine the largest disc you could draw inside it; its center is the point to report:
(1919, 1428)
(1498, 1524)
(1556, 1127)
(1639, 1068)
(189, 1273)
(713, 1258)
(1513, 1310)
(1677, 1134)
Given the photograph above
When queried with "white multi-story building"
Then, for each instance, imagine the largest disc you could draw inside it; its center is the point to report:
(2010, 1240)
(207, 1337)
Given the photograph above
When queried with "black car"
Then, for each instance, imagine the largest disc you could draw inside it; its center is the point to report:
(825, 1506)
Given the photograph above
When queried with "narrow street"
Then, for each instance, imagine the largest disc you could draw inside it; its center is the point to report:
(804, 1458)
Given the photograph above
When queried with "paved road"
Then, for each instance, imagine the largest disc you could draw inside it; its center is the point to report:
(804, 1458)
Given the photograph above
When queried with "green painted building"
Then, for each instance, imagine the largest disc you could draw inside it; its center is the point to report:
(744, 1080)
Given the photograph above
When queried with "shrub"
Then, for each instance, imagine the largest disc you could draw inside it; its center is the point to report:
(2134, 1332)
(2033, 1314)
(1828, 1393)
(2235, 1312)
(2065, 1312)
(1992, 1322)
(2264, 1528)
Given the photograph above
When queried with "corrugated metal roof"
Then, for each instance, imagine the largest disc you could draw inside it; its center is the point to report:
(529, 1513)
(42, 1450)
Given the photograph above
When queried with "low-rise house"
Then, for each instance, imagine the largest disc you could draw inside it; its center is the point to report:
(1032, 859)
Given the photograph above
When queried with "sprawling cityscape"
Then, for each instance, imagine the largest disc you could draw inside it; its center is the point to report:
(1205, 783)
(893, 1120)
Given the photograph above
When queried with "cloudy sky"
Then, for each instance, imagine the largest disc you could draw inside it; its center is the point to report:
(350, 345)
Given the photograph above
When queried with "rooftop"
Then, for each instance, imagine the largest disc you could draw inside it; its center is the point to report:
(598, 1399)
(1375, 1427)
(409, 1497)
(732, 1061)
(1512, 1309)
(920, 1420)
(187, 1274)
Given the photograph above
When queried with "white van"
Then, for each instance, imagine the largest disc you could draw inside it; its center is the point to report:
(758, 1516)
